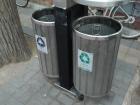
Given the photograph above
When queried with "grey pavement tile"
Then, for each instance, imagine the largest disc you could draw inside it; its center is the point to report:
(26, 11)
(46, 100)
(132, 60)
(8, 88)
(25, 93)
(21, 79)
(123, 49)
(56, 103)
(44, 90)
(107, 100)
(42, 94)
(121, 56)
(118, 63)
(42, 98)
(122, 52)
(70, 95)
(136, 45)
(28, 30)
(119, 91)
(13, 101)
(134, 53)
(120, 84)
(16, 82)
(34, 102)
(127, 42)
(92, 101)
(26, 20)
(29, 76)
(53, 92)
(123, 76)
(127, 68)
(78, 103)
(4, 96)
(37, 80)
(118, 100)
(65, 99)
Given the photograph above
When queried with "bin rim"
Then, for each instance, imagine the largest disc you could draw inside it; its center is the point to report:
(43, 22)
(88, 36)
(102, 3)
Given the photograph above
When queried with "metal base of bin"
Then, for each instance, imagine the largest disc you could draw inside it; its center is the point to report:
(63, 23)
(71, 92)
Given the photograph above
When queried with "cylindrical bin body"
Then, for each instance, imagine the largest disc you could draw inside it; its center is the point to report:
(96, 42)
(44, 29)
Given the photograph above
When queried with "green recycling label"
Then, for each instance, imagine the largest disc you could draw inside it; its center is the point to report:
(85, 60)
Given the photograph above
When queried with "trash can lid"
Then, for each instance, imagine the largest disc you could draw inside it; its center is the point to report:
(101, 3)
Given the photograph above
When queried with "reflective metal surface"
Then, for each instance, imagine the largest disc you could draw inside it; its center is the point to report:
(102, 3)
(64, 4)
(104, 48)
(45, 27)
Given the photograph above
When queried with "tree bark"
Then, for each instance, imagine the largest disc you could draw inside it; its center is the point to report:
(13, 46)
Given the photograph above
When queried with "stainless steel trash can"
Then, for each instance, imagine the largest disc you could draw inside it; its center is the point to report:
(44, 29)
(96, 42)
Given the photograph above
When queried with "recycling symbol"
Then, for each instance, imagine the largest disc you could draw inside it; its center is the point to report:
(40, 42)
(85, 58)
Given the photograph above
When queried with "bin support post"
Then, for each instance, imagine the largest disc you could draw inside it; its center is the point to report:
(63, 24)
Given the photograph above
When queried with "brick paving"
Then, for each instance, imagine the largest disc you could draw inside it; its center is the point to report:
(24, 84)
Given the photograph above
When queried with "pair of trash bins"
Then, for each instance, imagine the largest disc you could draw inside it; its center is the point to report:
(96, 42)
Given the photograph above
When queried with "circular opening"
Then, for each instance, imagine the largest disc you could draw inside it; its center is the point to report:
(45, 15)
(97, 26)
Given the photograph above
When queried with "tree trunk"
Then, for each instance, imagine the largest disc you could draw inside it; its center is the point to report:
(13, 47)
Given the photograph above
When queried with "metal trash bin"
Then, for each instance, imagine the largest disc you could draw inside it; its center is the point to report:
(96, 42)
(44, 28)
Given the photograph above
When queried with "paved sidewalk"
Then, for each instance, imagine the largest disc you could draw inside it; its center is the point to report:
(24, 84)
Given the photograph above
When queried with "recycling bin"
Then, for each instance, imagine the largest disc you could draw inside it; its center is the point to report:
(44, 28)
(96, 41)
